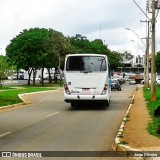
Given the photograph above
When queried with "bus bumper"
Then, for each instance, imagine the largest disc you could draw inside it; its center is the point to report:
(74, 98)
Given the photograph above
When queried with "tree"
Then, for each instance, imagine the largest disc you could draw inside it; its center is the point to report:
(3, 69)
(46, 48)
(115, 59)
(98, 47)
(82, 45)
(127, 56)
(38, 49)
(56, 46)
(26, 50)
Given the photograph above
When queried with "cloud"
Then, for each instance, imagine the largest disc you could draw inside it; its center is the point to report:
(74, 17)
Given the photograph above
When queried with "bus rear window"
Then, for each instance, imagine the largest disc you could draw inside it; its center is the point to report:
(86, 63)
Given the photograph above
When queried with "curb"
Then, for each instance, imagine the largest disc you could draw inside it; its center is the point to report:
(24, 103)
(11, 106)
(125, 149)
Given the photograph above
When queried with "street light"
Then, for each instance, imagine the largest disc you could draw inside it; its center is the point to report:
(138, 44)
(136, 35)
(146, 70)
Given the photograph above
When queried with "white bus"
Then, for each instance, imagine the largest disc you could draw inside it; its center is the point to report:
(87, 79)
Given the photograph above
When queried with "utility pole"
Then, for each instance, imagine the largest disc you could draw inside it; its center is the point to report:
(154, 5)
(153, 67)
(146, 67)
(147, 57)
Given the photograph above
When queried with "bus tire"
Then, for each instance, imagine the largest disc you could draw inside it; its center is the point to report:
(106, 104)
(73, 105)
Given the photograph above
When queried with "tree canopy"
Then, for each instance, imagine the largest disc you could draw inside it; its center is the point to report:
(82, 45)
(37, 48)
(3, 66)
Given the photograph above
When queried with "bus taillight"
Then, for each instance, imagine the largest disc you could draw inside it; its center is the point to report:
(66, 89)
(105, 87)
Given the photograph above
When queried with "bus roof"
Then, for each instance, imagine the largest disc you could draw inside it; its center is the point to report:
(86, 54)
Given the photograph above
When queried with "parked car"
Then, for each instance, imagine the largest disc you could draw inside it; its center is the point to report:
(157, 81)
(142, 81)
(121, 80)
(115, 85)
(38, 79)
(126, 78)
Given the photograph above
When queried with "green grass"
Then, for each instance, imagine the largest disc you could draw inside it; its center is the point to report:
(151, 106)
(9, 94)
(5, 87)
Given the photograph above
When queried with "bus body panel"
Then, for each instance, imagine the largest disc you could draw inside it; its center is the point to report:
(87, 85)
(78, 81)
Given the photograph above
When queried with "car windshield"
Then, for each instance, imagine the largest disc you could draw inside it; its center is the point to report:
(86, 63)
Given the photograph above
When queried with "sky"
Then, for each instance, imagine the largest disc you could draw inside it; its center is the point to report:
(95, 19)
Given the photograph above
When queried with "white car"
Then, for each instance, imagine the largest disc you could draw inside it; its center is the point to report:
(36, 79)
(132, 82)
(157, 81)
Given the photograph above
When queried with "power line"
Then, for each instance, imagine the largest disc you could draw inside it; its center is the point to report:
(141, 10)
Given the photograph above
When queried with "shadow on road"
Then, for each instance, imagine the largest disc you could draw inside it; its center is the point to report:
(89, 106)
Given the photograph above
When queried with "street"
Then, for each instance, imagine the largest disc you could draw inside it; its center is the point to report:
(47, 123)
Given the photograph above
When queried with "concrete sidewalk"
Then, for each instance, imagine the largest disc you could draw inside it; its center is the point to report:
(133, 128)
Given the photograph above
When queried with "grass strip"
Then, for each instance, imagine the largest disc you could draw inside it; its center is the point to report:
(151, 106)
(9, 95)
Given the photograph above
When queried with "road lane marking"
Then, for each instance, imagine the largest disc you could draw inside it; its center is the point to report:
(5, 134)
(50, 115)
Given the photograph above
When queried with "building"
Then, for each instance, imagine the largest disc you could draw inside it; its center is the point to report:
(132, 63)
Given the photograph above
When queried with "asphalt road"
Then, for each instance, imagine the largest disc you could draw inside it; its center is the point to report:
(50, 124)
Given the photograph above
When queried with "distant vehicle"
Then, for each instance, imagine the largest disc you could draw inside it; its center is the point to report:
(14, 77)
(157, 81)
(38, 79)
(119, 78)
(142, 81)
(115, 85)
(132, 82)
(87, 78)
(126, 78)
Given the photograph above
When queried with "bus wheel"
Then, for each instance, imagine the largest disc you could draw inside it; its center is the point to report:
(106, 104)
(73, 105)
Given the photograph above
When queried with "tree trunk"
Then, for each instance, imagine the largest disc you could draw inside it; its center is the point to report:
(34, 76)
(61, 76)
(29, 76)
(42, 81)
(49, 74)
(55, 75)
